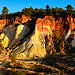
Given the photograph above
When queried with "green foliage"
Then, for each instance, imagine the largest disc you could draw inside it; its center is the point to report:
(58, 42)
(60, 10)
(5, 10)
(27, 11)
(47, 7)
(69, 9)
(50, 18)
(37, 12)
(55, 45)
(19, 72)
(42, 12)
(55, 11)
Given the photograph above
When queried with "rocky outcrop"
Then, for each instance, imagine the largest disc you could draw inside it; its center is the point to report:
(20, 33)
(21, 20)
(17, 20)
(34, 46)
(8, 35)
(2, 24)
(71, 30)
(13, 34)
(24, 19)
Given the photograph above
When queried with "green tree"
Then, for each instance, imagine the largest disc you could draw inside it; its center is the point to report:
(60, 10)
(27, 11)
(5, 10)
(48, 10)
(55, 11)
(47, 7)
(42, 12)
(36, 12)
(69, 9)
(31, 8)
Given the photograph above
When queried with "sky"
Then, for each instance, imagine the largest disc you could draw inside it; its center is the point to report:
(18, 5)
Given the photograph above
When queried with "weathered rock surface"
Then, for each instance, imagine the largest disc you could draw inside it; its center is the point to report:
(9, 34)
(35, 43)
(2, 24)
(6, 22)
(34, 46)
(21, 31)
(2, 35)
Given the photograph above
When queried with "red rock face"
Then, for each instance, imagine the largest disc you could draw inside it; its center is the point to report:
(2, 24)
(18, 20)
(72, 25)
(74, 20)
(43, 24)
(24, 19)
(71, 21)
(45, 29)
(39, 27)
(3, 21)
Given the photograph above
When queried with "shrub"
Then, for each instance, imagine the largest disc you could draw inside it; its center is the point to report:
(56, 44)
(50, 18)
(19, 72)
(13, 58)
(58, 41)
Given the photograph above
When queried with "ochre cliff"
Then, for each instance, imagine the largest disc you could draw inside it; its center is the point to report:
(35, 43)
(17, 20)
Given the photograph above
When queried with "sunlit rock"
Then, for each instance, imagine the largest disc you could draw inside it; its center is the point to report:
(2, 36)
(5, 42)
(9, 34)
(34, 46)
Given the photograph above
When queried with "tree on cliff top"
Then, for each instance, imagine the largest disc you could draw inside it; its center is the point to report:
(5, 10)
(69, 9)
(48, 10)
(47, 7)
